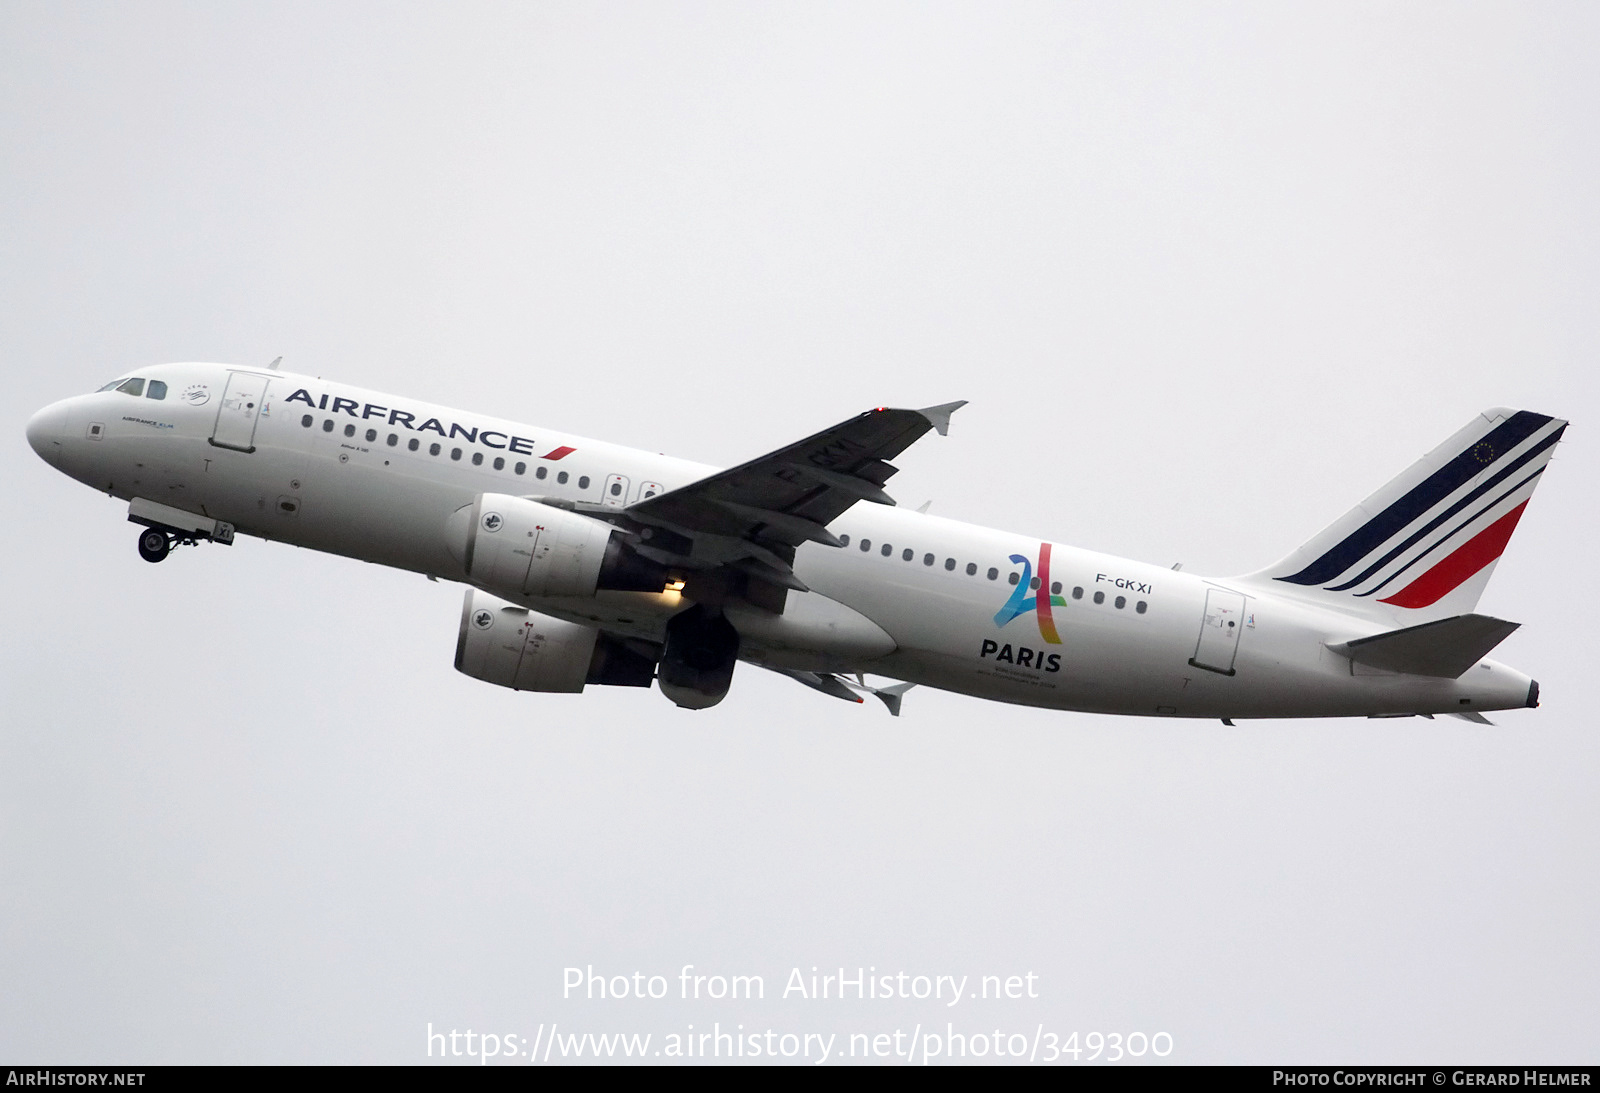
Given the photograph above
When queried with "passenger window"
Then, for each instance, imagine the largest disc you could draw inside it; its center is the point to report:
(541, 472)
(993, 573)
(907, 554)
(434, 449)
(866, 545)
(372, 434)
(413, 445)
(927, 559)
(844, 540)
(157, 390)
(561, 478)
(394, 438)
(1099, 597)
(499, 463)
(132, 387)
(455, 453)
(349, 430)
(616, 489)
(1141, 607)
(1055, 588)
(1120, 602)
(305, 422)
(1014, 578)
(887, 550)
(521, 468)
(327, 426)
(1034, 584)
(1077, 593)
(950, 564)
(972, 569)
(583, 482)
(477, 459)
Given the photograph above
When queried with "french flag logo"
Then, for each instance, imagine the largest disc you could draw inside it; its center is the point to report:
(1441, 523)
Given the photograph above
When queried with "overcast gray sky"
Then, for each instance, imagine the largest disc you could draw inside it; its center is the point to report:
(1208, 275)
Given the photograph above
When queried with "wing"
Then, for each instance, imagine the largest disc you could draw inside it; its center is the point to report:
(752, 517)
(835, 687)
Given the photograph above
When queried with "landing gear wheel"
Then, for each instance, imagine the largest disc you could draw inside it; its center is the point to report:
(154, 544)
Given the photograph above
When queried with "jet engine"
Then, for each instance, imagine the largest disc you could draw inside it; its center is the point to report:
(520, 547)
(510, 646)
(697, 663)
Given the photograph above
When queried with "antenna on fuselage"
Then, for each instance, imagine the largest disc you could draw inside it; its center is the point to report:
(275, 362)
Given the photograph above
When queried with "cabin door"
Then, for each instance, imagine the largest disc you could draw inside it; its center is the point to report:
(241, 406)
(1219, 631)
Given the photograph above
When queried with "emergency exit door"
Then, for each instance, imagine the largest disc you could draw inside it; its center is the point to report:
(241, 406)
(1219, 631)
(615, 492)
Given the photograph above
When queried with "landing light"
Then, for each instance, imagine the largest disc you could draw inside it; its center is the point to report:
(674, 586)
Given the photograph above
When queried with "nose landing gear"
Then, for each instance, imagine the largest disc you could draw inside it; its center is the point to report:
(154, 544)
(166, 527)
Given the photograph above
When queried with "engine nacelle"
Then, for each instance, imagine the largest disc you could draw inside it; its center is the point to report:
(520, 547)
(510, 646)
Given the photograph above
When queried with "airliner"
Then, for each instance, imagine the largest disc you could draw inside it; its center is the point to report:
(591, 564)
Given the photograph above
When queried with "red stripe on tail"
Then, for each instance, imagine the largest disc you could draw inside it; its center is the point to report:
(1466, 560)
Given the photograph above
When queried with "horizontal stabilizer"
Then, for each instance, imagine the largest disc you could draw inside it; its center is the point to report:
(1446, 648)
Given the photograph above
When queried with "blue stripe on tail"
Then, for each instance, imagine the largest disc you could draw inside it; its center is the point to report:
(1432, 525)
(1435, 488)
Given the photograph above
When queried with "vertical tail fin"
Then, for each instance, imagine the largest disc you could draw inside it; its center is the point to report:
(1423, 547)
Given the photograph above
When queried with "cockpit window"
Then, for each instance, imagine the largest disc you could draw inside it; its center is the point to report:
(157, 389)
(132, 387)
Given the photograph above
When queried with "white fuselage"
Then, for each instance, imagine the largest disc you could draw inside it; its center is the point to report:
(353, 472)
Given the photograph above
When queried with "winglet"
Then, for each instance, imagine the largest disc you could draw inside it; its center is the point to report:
(891, 696)
(939, 416)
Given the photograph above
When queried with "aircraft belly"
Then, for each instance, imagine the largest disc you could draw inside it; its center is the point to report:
(381, 517)
(814, 629)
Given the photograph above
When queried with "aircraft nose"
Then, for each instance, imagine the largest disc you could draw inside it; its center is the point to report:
(46, 431)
